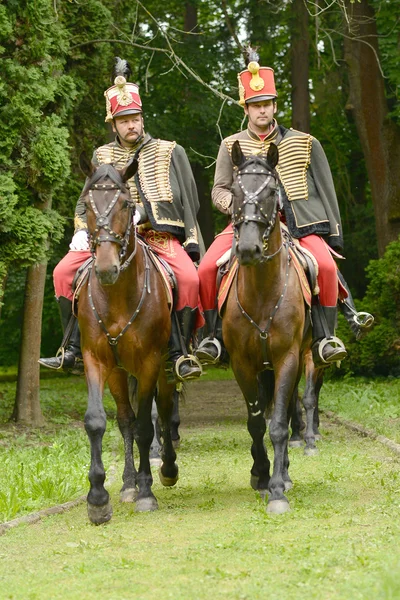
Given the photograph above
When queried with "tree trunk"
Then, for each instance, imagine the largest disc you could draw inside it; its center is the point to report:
(300, 44)
(27, 410)
(379, 135)
(27, 402)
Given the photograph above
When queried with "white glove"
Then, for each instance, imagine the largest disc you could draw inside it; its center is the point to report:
(224, 258)
(80, 241)
(136, 218)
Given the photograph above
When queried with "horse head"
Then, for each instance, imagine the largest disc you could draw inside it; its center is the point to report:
(110, 211)
(255, 203)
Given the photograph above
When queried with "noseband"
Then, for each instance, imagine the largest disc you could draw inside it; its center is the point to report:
(103, 220)
(251, 198)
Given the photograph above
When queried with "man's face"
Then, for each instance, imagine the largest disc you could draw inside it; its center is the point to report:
(129, 128)
(260, 115)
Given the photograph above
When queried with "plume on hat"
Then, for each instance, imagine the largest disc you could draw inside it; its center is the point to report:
(250, 55)
(121, 68)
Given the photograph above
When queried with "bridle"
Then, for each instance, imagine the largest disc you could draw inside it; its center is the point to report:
(238, 217)
(103, 219)
(251, 198)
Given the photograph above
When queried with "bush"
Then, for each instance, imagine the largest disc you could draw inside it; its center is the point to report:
(378, 353)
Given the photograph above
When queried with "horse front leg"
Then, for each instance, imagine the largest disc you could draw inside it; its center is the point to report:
(121, 388)
(286, 377)
(166, 397)
(257, 392)
(98, 500)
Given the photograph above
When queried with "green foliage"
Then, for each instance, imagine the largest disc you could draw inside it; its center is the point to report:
(379, 351)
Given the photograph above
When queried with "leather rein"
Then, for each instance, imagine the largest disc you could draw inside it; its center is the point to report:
(103, 222)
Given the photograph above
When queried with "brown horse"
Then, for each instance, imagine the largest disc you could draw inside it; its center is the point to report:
(265, 321)
(125, 326)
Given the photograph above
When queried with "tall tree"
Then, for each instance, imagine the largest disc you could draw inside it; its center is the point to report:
(378, 132)
(299, 53)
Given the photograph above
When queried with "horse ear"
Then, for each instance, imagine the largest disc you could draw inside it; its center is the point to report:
(273, 155)
(237, 154)
(87, 167)
(130, 170)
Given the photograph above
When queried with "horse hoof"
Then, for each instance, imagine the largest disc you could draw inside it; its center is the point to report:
(99, 514)
(277, 507)
(296, 443)
(254, 482)
(146, 504)
(156, 462)
(288, 485)
(128, 495)
(167, 481)
(317, 437)
(311, 451)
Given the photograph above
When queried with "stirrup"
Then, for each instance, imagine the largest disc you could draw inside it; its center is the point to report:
(190, 359)
(205, 357)
(336, 343)
(60, 351)
(364, 320)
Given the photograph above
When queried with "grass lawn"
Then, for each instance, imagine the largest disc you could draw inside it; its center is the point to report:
(211, 536)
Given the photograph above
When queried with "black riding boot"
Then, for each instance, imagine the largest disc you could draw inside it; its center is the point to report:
(185, 366)
(211, 350)
(326, 347)
(360, 322)
(68, 358)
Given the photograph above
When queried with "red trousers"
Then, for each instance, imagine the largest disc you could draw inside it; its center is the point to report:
(327, 276)
(166, 246)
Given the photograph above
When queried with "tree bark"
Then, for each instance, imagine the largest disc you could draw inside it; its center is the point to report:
(300, 45)
(27, 408)
(379, 135)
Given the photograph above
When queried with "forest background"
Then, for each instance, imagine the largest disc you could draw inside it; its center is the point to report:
(336, 69)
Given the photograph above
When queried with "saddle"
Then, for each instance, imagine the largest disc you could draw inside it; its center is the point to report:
(167, 276)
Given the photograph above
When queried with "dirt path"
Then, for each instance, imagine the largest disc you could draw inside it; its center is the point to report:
(208, 402)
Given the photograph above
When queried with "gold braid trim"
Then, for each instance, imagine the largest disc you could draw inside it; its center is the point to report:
(154, 165)
(294, 160)
(119, 158)
(251, 147)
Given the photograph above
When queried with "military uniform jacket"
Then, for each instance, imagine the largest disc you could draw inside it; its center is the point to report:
(308, 195)
(163, 188)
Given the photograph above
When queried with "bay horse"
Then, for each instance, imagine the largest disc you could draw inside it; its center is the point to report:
(265, 321)
(125, 325)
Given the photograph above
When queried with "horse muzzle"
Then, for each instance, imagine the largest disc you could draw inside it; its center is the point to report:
(248, 254)
(107, 276)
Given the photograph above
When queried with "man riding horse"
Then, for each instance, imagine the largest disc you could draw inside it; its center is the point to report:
(308, 207)
(166, 200)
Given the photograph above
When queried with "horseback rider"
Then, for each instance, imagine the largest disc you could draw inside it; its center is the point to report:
(166, 206)
(308, 207)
